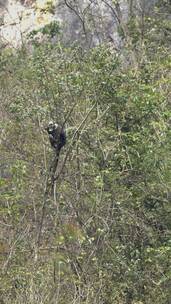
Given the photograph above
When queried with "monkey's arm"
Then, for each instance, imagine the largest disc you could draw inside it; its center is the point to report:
(53, 141)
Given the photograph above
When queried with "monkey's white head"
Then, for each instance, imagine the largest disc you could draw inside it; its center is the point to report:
(52, 125)
(56, 125)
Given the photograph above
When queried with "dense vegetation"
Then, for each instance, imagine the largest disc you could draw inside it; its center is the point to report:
(104, 234)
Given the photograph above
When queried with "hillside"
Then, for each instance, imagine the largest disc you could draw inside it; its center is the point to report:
(89, 223)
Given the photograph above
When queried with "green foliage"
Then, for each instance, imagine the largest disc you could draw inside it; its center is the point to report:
(51, 30)
(106, 231)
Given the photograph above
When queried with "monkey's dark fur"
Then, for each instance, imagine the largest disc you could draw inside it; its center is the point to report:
(57, 136)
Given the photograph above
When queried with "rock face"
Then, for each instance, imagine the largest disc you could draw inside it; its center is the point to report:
(18, 18)
(88, 21)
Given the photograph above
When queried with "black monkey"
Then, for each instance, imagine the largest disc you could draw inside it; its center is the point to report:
(57, 136)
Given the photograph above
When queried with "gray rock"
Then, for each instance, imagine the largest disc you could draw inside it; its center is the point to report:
(86, 22)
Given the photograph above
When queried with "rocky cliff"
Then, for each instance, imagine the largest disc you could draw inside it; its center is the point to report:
(89, 21)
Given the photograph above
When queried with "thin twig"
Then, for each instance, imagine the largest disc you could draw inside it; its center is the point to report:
(73, 138)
